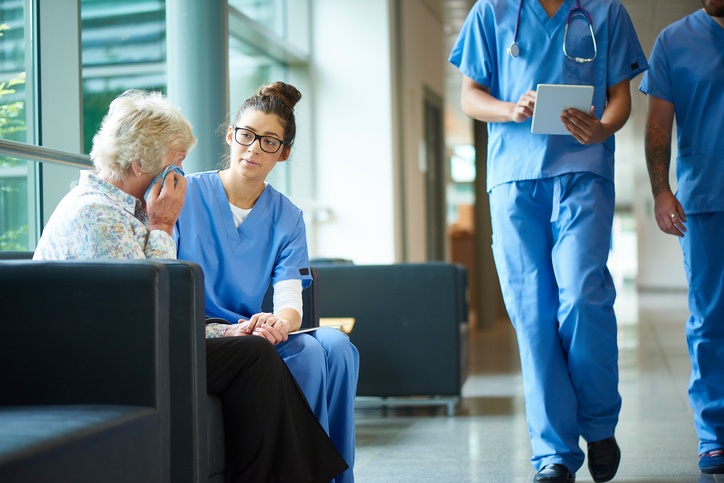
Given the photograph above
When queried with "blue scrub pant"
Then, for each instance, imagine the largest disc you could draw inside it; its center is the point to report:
(551, 239)
(704, 267)
(325, 364)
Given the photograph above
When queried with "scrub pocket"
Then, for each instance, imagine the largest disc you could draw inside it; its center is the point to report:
(696, 187)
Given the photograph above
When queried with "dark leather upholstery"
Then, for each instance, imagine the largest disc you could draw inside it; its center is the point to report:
(190, 411)
(410, 324)
(84, 372)
(192, 417)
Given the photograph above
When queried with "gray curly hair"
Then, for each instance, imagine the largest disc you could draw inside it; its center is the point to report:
(139, 127)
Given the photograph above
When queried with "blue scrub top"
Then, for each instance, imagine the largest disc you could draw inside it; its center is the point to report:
(687, 69)
(481, 53)
(239, 263)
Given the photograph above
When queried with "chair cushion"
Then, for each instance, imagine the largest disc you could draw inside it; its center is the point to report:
(79, 443)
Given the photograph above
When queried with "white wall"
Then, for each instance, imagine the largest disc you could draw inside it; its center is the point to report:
(353, 129)
(370, 64)
(421, 62)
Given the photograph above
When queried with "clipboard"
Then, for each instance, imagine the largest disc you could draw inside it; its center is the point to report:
(552, 99)
(345, 324)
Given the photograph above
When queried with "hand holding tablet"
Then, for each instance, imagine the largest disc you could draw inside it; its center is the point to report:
(552, 100)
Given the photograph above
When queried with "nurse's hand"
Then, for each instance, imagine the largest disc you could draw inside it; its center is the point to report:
(269, 326)
(586, 128)
(523, 109)
(669, 214)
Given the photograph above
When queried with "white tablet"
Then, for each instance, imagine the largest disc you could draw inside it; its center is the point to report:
(552, 99)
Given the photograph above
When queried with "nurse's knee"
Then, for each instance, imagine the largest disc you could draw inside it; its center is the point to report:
(594, 292)
(310, 349)
(341, 353)
(338, 343)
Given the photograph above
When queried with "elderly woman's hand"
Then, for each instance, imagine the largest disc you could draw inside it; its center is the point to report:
(269, 326)
(265, 325)
(165, 201)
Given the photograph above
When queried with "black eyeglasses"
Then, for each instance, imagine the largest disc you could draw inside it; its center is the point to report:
(268, 144)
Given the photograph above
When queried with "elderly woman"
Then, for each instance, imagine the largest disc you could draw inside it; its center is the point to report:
(119, 211)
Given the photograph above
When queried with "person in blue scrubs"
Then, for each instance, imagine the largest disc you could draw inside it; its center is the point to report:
(552, 205)
(246, 235)
(686, 83)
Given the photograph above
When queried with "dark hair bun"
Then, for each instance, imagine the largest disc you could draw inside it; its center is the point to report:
(286, 93)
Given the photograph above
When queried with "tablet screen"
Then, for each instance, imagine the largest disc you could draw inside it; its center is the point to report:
(552, 99)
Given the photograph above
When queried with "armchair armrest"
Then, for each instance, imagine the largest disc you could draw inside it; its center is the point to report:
(189, 411)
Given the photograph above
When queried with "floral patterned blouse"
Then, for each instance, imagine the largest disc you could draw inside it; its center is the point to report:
(98, 220)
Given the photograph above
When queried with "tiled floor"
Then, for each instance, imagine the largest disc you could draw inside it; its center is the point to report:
(487, 439)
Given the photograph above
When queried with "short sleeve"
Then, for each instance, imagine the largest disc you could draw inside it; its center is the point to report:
(627, 58)
(472, 51)
(657, 81)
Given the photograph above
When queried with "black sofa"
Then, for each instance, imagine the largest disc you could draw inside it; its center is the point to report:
(410, 328)
(84, 373)
(194, 449)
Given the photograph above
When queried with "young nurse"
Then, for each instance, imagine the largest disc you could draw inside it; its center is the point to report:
(244, 234)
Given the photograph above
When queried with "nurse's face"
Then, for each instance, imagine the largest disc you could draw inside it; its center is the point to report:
(257, 129)
(715, 8)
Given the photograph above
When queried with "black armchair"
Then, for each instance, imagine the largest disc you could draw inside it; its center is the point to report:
(410, 328)
(84, 371)
(105, 309)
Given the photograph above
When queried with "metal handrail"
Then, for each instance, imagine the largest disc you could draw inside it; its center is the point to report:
(20, 150)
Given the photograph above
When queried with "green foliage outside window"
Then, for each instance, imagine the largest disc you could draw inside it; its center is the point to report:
(13, 189)
(12, 113)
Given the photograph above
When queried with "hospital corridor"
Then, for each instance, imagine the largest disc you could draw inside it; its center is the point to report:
(487, 439)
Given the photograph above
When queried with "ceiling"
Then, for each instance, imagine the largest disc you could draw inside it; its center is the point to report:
(648, 16)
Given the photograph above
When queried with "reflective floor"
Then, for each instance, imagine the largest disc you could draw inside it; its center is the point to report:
(487, 439)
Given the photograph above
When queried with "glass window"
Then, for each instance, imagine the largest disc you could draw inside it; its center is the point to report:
(269, 13)
(124, 47)
(13, 204)
(13, 126)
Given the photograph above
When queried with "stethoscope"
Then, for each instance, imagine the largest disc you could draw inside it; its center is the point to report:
(514, 50)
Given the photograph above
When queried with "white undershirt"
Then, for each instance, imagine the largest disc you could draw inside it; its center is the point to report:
(239, 214)
(287, 293)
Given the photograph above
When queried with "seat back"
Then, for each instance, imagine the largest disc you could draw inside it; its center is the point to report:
(16, 255)
(189, 409)
(409, 324)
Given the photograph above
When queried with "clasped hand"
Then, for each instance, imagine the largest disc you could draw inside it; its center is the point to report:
(265, 325)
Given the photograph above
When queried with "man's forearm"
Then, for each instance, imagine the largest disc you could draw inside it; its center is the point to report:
(658, 158)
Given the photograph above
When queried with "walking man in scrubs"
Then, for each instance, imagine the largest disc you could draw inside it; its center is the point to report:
(686, 83)
(552, 204)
